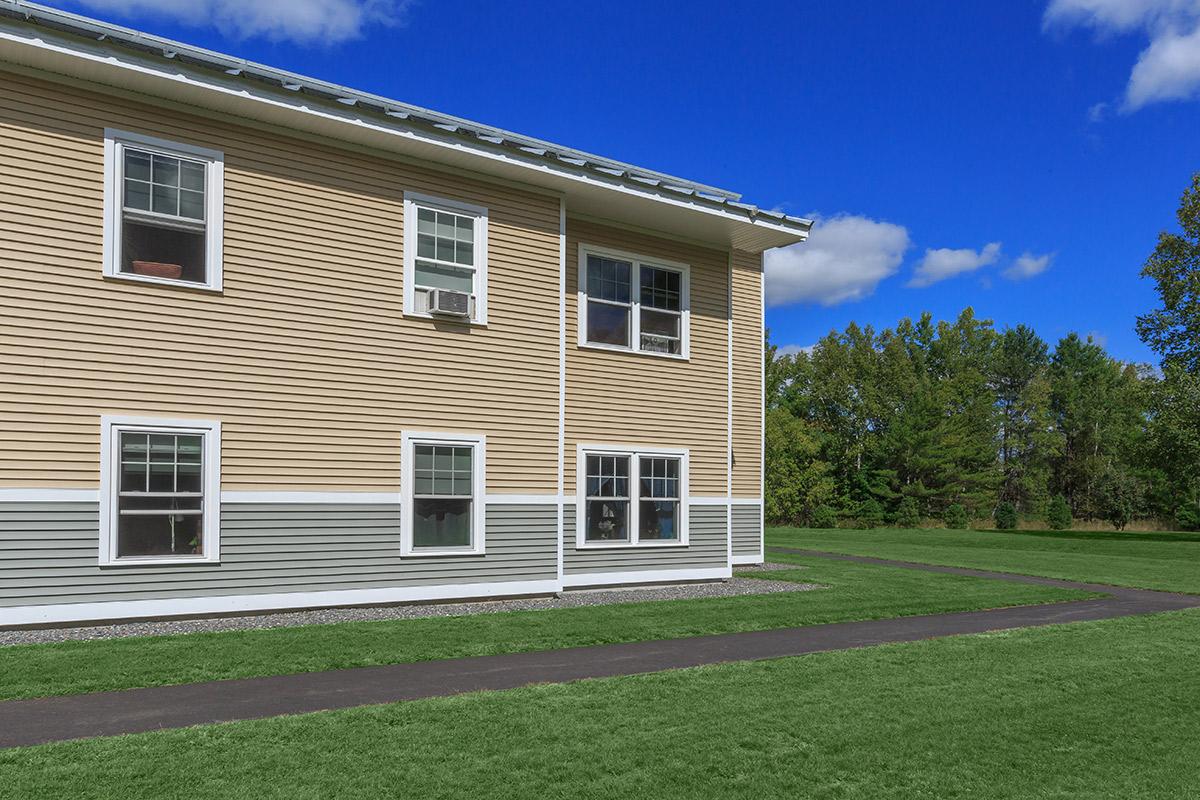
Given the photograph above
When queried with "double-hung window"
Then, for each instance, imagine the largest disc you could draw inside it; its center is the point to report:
(160, 490)
(631, 303)
(632, 497)
(443, 478)
(163, 211)
(445, 251)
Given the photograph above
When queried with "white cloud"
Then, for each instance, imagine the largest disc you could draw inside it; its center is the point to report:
(943, 263)
(795, 349)
(1097, 338)
(1027, 266)
(1169, 67)
(844, 259)
(302, 21)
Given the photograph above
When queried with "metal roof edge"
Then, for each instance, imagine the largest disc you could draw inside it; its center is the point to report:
(482, 137)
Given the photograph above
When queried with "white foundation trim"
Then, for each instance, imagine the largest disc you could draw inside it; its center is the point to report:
(753, 558)
(645, 576)
(188, 606)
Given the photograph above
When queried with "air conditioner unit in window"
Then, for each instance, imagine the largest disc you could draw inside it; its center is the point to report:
(450, 303)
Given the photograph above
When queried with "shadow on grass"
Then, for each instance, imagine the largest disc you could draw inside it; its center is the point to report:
(1111, 536)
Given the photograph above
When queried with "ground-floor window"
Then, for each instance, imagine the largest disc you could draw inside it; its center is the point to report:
(631, 497)
(160, 490)
(443, 476)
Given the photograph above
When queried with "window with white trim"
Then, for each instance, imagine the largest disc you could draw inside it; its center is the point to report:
(630, 303)
(445, 252)
(163, 211)
(443, 480)
(160, 490)
(631, 497)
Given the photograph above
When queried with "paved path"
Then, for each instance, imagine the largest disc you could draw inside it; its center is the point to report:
(29, 722)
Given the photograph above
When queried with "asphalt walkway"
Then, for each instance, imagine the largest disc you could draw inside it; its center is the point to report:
(30, 722)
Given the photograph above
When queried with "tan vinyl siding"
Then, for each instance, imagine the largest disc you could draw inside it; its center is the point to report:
(304, 357)
(747, 374)
(629, 398)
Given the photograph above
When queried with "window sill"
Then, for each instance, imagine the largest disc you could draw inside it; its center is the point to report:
(629, 350)
(629, 546)
(423, 553)
(474, 323)
(195, 287)
(154, 561)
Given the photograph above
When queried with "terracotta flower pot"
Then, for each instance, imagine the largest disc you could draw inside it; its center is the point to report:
(157, 269)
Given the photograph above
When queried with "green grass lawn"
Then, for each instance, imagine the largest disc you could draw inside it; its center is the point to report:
(854, 592)
(1167, 561)
(1091, 710)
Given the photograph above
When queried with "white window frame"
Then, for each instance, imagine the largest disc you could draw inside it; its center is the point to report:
(214, 205)
(412, 202)
(635, 453)
(111, 428)
(635, 313)
(408, 442)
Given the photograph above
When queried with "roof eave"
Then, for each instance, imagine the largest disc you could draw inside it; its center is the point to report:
(598, 188)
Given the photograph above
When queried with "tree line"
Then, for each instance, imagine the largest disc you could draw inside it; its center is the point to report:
(959, 420)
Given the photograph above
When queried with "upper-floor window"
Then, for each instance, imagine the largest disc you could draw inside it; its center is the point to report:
(163, 211)
(445, 258)
(630, 303)
(160, 490)
(443, 478)
(631, 497)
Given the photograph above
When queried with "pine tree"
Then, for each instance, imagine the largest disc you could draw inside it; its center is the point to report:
(1005, 516)
(1058, 514)
(908, 515)
(956, 517)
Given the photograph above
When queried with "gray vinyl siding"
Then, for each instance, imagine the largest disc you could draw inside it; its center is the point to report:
(707, 547)
(48, 554)
(747, 530)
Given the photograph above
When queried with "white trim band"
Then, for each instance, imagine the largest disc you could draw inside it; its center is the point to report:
(49, 495)
(234, 604)
(239, 497)
(646, 576)
(315, 498)
(753, 558)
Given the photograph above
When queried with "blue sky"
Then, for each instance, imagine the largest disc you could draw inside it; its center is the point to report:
(1036, 147)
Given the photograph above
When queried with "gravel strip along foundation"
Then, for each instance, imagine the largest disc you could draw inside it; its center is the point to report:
(770, 566)
(734, 587)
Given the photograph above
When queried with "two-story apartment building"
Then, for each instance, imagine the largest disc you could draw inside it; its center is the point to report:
(267, 342)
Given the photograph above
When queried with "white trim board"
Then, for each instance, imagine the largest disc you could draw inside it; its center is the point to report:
(315, 498)
(234, 604)
(21, 495)
(239, 497)
(716, 500)
(753, 558)
(646, 576)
